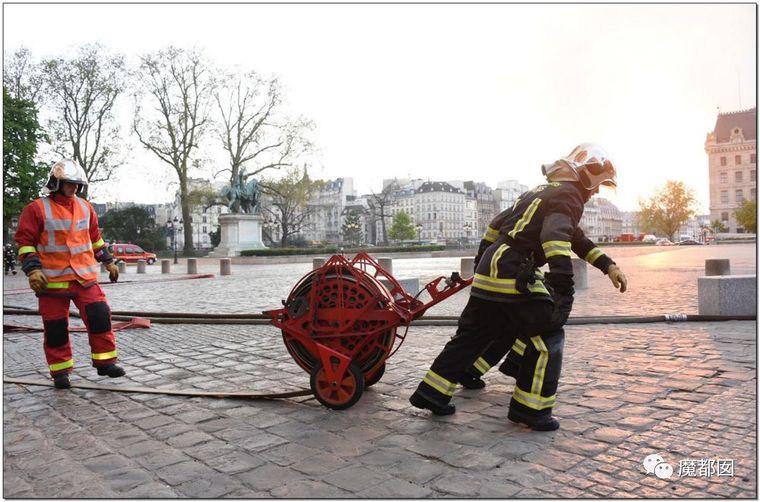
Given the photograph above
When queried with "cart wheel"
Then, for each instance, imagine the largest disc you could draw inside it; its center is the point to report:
(376, 376)
(339, 397)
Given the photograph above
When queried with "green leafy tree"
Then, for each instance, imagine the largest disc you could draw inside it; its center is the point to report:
(287, 199)
(746, 215)
(23, 176)
(352, 229)
(668, 209)
(402, 228)
(133, 224)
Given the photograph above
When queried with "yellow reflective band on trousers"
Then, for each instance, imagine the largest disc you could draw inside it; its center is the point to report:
(519, 347)
(505, 286)
(482, 366)
(61, 366)
(543, 360)
(526, 217)
(104, 355)
(26, 250)
(491, 235)
(495, 260)
(593, 255)
(439, 383)
(533, 401)
(556, 248)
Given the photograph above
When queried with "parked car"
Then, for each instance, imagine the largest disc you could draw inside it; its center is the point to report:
(649, 238)
(130, 253)
(663, 242)
(689, 242)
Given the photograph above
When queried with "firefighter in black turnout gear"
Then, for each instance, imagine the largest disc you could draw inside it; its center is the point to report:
(513, 304)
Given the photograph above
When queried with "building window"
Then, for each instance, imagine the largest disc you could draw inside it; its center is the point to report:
(724, 196)
(739, 196)
(738, 160)
(723, 178)
(738, 177)
(724, 217)
(753, 175)
(722, 161)
(753, 158)
(753, 194)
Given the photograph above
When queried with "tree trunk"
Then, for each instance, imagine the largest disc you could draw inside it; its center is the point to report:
(187, 227)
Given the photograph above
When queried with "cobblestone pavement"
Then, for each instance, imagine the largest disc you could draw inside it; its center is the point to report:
(686, 391)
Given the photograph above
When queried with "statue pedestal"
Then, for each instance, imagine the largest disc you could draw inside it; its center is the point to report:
(239, 232)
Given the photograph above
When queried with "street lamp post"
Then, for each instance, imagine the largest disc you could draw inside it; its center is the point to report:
(174, 226)
(467, 227)
(419, 233)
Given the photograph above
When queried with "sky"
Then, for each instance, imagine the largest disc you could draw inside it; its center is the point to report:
(448, 92)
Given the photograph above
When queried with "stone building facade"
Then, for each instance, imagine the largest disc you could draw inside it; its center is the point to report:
(732, 161)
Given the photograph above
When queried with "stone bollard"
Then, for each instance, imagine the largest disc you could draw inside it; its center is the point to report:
(225, 266)
(719, 266)
(466, 267)
(387, 264)
(192, 266)
(580, 273)
(317, 262)
(409, 284)
(141, 266)
(103, 267)
(727, 295)
(166, 266)
(122, 267)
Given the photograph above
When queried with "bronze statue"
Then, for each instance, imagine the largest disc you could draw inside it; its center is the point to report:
(242, 196)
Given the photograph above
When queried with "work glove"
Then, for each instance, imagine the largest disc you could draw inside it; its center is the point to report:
(618, 278)
(563, 305)
(113, 271)
(37, 280)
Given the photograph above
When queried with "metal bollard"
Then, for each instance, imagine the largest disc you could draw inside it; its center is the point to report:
(387, 264)
(192, 266)
(466, 267)
(141, 266)
(225, 266)
(718, 266)
(166, 266)
(317, 262)
(122, 267)
(580, 273)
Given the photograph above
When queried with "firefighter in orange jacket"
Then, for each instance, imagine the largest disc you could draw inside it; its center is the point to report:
(511, 301)
(60, 245)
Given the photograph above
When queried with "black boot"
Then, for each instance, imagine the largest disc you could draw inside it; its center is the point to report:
(469, 381)
(111, 370)
(542, 423)
(420, 401)
(61, 381)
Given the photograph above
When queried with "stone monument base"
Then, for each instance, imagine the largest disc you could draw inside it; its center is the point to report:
(239, 232)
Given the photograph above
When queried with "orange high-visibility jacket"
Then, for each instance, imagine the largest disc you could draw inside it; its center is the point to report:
(64, 246)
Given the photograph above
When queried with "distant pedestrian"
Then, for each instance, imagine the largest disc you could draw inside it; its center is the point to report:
(511, 301)
(60, 246)
(9, 259)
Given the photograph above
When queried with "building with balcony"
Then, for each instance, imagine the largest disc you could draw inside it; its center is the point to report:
(732, 163)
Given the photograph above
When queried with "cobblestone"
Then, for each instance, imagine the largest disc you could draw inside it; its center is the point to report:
(683, 390)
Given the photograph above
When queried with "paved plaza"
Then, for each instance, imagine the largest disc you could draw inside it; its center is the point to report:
(685, 391)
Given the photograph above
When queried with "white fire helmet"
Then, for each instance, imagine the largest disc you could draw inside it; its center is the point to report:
(588, 164)
(67, 170)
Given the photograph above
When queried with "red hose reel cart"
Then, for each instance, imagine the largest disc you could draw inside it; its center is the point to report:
(340, 322)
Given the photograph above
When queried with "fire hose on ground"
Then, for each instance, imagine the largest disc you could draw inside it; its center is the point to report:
(339, 324)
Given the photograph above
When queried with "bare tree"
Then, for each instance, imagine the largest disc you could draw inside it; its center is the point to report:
(378, 204)
(252, 129)
(178, 85)
(287, 201)
(81, 93)
(22, 77)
